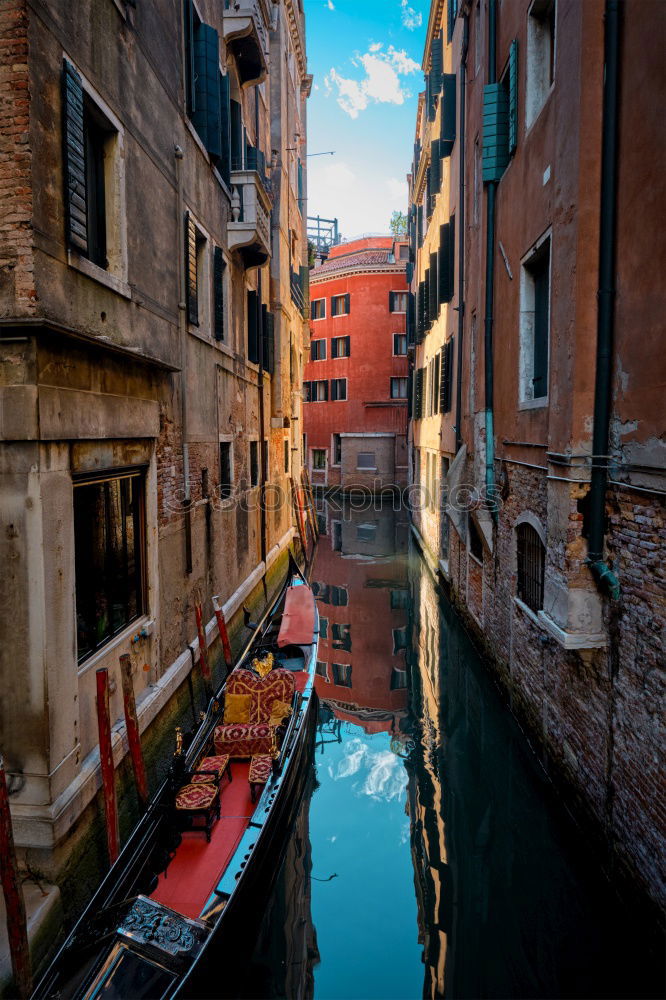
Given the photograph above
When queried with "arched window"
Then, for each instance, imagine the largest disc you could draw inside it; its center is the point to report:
(531, 556)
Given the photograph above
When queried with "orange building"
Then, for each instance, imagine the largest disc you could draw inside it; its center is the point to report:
(355, 391)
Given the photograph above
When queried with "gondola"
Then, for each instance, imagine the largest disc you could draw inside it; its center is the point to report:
(198, 862)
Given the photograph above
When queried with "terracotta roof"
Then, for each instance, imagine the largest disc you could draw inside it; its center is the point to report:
(360, 259)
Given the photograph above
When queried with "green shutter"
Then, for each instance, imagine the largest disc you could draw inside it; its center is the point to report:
(188, 18)
(450, 18)
(447, 130)
(206, 116)
(218, 292)
(419, 225)
(436, 65)
(513, 97)
(253, 327)
(436, 170)
(495, 131)
(433, 309)
(427, 318)
(445, 292)
(411, 332)
(452, 257)
(75, 168)
(305, 288)
(191, 270)
(225, 128)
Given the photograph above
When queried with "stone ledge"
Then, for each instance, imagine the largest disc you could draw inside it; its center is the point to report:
(573, 640)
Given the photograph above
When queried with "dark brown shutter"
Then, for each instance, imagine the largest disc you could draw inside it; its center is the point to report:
(347, 303)
(348, 345)
(446, 376)
(433, 305)
(427, 318)
(452, 257)
(443, 263)
(391, 309)
(218, 292)
(191, 270)
(75, 170)
(269, 343)
(253, 327)
(325, 384)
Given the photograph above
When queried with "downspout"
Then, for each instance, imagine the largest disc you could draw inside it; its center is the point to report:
(606, 580)
(182, 322)
(262, 441)
(461, 231)
(491, 191)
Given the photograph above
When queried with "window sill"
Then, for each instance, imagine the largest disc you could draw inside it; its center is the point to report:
(366, 468)
(532, 615)
(99, 274)
(534, 404)
(144, 622)
(339, 315)
(572, 640)
(478, 562)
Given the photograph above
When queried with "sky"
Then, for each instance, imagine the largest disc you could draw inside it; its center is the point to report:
(365, 56)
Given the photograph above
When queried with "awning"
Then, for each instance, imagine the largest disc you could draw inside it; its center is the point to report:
(298, 620)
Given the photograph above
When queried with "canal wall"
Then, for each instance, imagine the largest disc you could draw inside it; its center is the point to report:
(591, 716)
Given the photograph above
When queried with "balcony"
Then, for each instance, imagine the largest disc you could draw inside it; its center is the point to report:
(249, 232)
(245, 24)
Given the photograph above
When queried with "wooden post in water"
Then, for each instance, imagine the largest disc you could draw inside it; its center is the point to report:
(106, 760)
(133, 734)
(203, 657)
(17, 927)
(224, 634)
(299, 518)
(310, 505)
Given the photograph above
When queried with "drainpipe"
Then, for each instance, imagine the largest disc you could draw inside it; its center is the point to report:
(262, 440)
(605, 578)
(461, 231)
(182, 322)
(491, 191)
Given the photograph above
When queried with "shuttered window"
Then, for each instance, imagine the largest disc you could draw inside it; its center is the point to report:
(436, 383)
(411, 319)
(446, 376)
(307, 392)
(338, 389)
(495, 131)
(340, 347)
(452, 256)
(447, 131)
(202, 79)
(398, 302)
(253, 327)
(219, 268)
(530, 560)
(268, 341)
(435, 166)
(444, 271)
(433, 309)
(513, 97)
(191, 276)
(436, 66)
(225, 129)
(541, 275)
(427, 318)
(339, 305)
(318, 309)
(418, 394)
(75, 179)
(421, 320)
(450, 18)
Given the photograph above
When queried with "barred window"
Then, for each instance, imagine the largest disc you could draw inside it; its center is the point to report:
(531, 556)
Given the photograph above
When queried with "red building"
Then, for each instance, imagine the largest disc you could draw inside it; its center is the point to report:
(355, 391)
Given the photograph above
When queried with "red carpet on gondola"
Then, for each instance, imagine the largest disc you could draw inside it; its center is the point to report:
(197, 866)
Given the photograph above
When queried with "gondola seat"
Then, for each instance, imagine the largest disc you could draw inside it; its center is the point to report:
(254, 736)
(218, 765)
(198, 799)
(261, 766)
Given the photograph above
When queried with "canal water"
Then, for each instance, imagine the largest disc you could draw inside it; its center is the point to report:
(431, 857)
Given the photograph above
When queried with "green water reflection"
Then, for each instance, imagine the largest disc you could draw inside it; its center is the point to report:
(431, 857)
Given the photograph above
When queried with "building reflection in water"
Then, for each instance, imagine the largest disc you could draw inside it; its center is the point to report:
(511, 903)
(360, 582)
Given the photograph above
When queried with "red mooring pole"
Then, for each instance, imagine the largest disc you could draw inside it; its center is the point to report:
(133, 734)
(17, 928)
(224, 635)
(106, 760)
(203, 659)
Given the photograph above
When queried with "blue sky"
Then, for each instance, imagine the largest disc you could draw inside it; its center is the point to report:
(365, 56)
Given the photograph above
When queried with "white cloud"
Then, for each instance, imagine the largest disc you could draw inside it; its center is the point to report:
(358, 195)
(381, 84)
(411, 19)
(330, 4)
(397, 189)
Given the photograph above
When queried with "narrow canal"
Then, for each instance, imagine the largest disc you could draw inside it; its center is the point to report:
(430, 858)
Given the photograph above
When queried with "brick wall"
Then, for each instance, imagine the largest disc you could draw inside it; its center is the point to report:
(17, 292)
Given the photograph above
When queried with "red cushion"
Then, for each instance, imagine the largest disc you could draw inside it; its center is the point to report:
(216, 764)
(278, 685)
(196, 796)
(260, 769)
(243, 739)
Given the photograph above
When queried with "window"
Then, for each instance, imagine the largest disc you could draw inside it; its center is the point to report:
(400, 344)
(398, 679)
(286, 456)
(336, 536)
(399, 599)
(534, 325)
(315, 392)
(226, 470)
(342, 637)
(366, 532)
(340, 347)
(253, 327)
(318, 350)
(323, 628)
(474, 543)
(219, 296)
(340, 305)
(366, 460)
(338, 389)
(339, 597)
(322, 670)
(109, 553)
(399, 639)
(254, 463)
(540, 56)
(318, 458)
(403, 252)
(398, 302)
(94, 185)
(321, 524)
(398, 388)
(337, 449)
(342, 674)
(531, 555)
(318, 309)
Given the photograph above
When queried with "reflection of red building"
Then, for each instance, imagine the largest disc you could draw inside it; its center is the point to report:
(355, 420)
(361, 671)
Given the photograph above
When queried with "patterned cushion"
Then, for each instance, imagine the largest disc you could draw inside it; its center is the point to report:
(196, 796)
(260, 769)
(240, 740)
(278, 685)
(216, 764)
(237, 707)
(280, 710)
